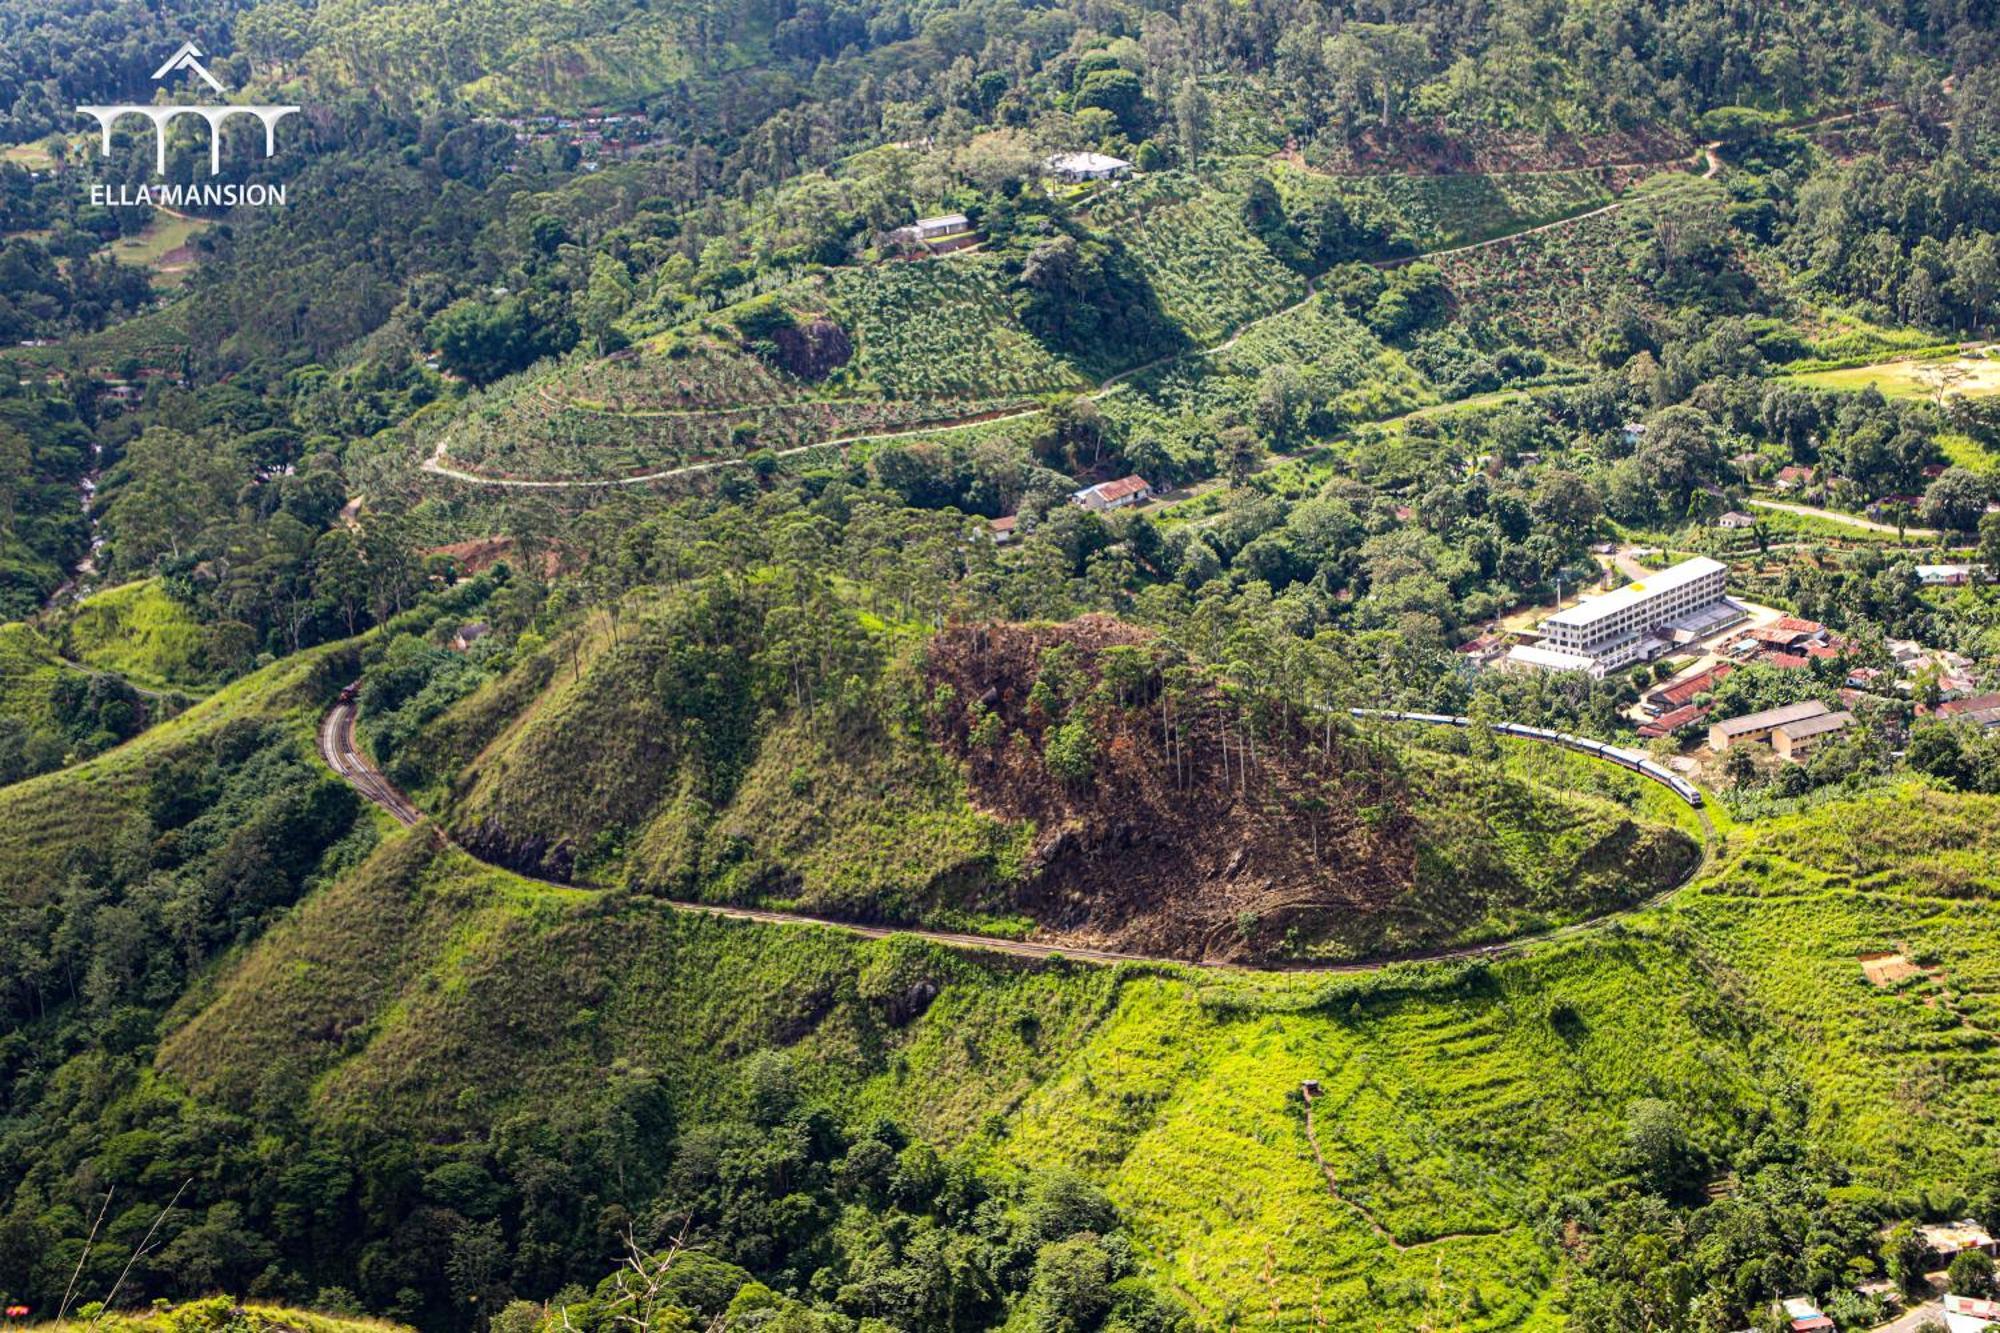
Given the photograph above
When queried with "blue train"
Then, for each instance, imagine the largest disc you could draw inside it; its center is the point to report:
(1645, 768)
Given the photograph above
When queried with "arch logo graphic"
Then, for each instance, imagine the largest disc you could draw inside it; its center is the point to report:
(211, 194)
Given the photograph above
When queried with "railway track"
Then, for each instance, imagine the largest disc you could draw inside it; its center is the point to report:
(337, 747)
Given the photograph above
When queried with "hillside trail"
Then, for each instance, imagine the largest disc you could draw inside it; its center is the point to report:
(338, 749)
(438, 464)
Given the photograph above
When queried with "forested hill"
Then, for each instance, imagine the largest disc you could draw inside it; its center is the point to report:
(1514, 67)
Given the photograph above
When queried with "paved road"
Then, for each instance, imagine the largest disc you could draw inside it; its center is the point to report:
(337, 747)
(1851, 520)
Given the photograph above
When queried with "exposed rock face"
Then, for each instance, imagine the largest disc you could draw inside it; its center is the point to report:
(813, 349)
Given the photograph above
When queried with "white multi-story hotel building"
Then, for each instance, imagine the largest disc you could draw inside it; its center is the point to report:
(1640, 619)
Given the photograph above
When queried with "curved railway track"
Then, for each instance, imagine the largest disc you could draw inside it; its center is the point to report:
(337, 747)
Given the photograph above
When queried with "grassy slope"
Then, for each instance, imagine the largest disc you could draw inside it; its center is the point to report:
(1903, 1077)
(437, 997)
(433, 995)
(42, 818)
(223, 1315)
(29, 670)
(140, 632)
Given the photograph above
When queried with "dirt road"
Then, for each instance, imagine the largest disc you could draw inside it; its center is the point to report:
(438, 464)
(337, 747)
(1851, 520)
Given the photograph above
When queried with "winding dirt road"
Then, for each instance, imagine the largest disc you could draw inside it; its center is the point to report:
(338, 748)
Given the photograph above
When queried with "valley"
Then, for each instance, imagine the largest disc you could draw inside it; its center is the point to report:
(899, 665)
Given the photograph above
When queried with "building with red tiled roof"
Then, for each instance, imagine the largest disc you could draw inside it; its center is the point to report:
(1682, 693)
(1666, 724)
(1113, 494)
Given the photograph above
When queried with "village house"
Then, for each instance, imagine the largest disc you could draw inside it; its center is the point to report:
(1794, 477)
(1076, 167)
(1002, 529)
(1802, 1315)
(1947, 1240)
(1945, 576)
(1117, 494)
(1678, 694)
(1795, 740)
(1484, 650)
(1970, 1314)
(1631, 433)
(1888, 506)
(469, 634)
(1759, 726)
(1736, 520)
(1980, 709)
(1666, 724)
(946, 231)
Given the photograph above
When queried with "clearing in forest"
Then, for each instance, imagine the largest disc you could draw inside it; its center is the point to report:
(1975, 373)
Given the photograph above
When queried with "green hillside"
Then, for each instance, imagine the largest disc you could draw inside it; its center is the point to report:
(507, 56)
(652, 760)
(140, 631)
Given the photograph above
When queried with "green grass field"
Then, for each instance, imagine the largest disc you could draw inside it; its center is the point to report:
(33, 156)
(140, 632)
(1973, 375)
(29, 670)
(220, 1314)
(154, 248)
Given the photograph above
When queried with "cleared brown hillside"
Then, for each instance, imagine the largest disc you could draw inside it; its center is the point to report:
(1200, 833)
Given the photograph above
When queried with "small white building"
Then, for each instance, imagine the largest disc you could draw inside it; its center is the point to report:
(1085, 166)
(1736, 520)
(1968, 1314)
(1531, 657)
(1117, 494)
(943, 227)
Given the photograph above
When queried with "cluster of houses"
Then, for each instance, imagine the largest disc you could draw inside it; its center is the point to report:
(1943, 1242)
(597, 135)
(946, 232)
(1791, 731)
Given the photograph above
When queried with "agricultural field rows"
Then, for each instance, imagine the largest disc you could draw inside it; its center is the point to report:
(939, 330)
(1209, 274)
(1436, 212)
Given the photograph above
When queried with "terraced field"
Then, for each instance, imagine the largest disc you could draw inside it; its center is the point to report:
(1437, 212)
(1209, 274)
(940, 330)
